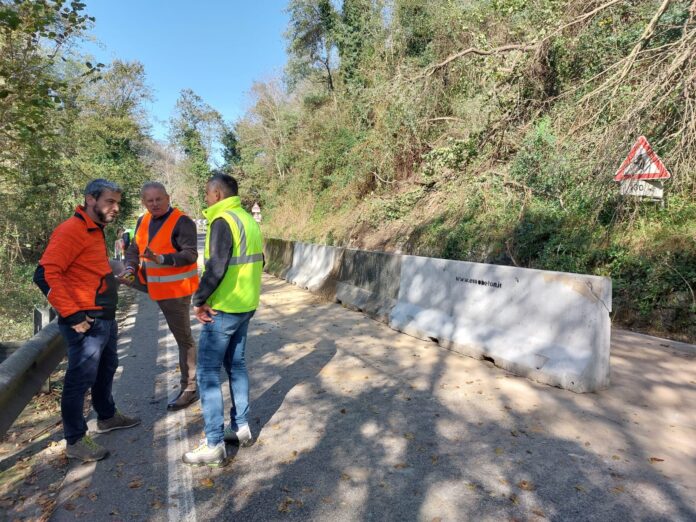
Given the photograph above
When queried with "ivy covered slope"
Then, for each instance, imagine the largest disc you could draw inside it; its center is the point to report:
(488, 131)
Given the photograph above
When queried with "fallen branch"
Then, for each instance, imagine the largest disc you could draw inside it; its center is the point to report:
(693, 295)
(445, 118)
(644, 39)
(582, 18)
(480, 52)
(517, 47)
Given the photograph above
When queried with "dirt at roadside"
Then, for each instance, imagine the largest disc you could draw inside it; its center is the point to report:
(33, 463)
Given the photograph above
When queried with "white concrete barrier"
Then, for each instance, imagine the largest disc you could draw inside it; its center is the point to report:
(314, 267)
(552, 327)
(369, 282)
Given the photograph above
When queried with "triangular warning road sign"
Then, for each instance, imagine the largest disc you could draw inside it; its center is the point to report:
(642, 163)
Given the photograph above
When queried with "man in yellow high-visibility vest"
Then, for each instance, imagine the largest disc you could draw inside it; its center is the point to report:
(224, 303)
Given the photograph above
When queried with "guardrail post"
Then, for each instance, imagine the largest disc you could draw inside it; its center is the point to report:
(42, 316)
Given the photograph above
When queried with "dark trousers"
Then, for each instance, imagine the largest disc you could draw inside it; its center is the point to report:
(177, 313)
(92, 363)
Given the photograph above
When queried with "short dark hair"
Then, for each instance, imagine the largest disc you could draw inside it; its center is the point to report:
(95, 187)
(224, 183)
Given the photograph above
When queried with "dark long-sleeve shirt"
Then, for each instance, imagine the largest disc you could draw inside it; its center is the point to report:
(184, 240)
(217, 262)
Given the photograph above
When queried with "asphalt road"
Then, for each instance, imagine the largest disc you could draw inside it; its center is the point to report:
(354, 421)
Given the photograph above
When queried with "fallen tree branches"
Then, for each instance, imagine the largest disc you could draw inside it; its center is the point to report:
(526, 47)
(480, 52)
(642, 42)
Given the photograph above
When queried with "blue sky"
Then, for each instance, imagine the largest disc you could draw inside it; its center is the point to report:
(217, 48)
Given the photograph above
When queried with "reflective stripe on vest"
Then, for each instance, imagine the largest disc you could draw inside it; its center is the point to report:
(243, 258)
(170, 278)
(240, 287)
(164, 281)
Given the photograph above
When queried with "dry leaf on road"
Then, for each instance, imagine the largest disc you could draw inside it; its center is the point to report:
(526, 485)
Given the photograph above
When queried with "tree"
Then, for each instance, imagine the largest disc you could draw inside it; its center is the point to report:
(415, 21)
(311, 40)
(194, 128)
(123, 90)
(109, 136)
(361, 25)
(230, 148)
(37, 105)
(270, 125)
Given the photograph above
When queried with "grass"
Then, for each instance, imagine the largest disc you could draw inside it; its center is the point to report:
(20, 295)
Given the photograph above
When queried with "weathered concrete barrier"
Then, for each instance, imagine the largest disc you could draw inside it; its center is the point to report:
(23, 373)
(278, 254)
(552, 327)
(316, 268)
(368, 282)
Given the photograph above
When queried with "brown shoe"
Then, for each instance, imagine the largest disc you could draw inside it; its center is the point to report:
(182, 400)
(118, 422)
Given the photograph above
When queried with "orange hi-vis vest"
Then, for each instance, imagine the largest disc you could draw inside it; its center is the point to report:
(164, 281)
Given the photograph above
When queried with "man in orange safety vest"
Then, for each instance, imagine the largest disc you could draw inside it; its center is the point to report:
(162, 256)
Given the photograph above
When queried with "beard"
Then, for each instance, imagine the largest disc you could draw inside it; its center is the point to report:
(104, 217)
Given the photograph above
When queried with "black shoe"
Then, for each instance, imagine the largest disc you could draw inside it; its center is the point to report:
(182, 400)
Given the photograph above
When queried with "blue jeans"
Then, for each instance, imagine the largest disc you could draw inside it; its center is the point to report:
(92, 363)
(223, 342)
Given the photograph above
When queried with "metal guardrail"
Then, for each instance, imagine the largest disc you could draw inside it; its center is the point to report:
(24, 372)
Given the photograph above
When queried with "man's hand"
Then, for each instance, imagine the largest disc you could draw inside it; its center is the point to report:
(204, 313)
(127, 277)
(149, 254)
(84, 325)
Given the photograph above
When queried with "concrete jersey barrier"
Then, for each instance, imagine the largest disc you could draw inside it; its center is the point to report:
(316, 268)
(552, 327)
(369, 282)
(278, 253)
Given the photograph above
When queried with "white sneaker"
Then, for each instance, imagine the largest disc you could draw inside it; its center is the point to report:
(242, 436)
(206, 455)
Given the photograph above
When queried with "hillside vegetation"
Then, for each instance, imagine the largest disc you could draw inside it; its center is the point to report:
(479, 130)
(487, 131)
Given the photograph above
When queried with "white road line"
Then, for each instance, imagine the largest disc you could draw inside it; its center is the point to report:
(180, 501)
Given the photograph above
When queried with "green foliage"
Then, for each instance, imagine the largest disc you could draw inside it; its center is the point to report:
(230, 150)
(453, 157)
(194, 128)
(65, 121)
(311, 40)
(415, 20)
(19, 297)
(539, 165)
(357, 36)
(487, 130)
(397, 207)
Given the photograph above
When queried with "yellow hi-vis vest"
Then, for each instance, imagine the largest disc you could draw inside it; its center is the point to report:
(240, 288)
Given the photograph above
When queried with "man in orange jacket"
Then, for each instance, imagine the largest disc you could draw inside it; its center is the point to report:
(163, 257)
(75, 275)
